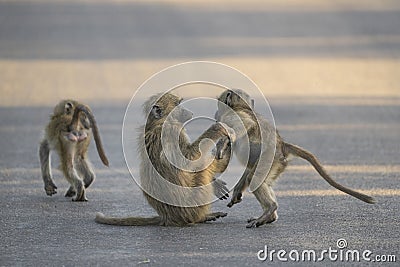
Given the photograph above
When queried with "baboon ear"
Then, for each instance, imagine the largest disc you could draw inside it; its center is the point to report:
(68, 108)
(156, 111)
(228, 99)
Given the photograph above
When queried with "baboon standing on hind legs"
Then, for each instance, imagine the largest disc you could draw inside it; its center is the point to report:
(158, 175)
(266, 145)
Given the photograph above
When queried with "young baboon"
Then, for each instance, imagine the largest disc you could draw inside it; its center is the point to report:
(68, 133)
(234, 104)
(157, 172)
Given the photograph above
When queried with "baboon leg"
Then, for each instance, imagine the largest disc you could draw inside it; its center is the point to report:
(266, 197)
(80, 191)
(73, 178)
(213, 216)
(241, 186)
(85, 170)
(44, 157)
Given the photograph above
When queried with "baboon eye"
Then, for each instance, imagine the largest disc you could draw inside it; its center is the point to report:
(156, 111)
(68, 108)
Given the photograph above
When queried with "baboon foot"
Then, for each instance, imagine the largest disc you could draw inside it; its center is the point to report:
(236, 198)
(263, 219)
(71, 192)
(214, 216)
(50, 188)
(80, 194)
(80, 200)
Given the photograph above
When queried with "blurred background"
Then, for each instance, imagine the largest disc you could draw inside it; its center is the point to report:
(98, 50)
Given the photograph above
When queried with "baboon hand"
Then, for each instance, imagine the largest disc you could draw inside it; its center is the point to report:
(229, 131)
(222, 145)
(220, 189)
(50, 188)
(236, 198)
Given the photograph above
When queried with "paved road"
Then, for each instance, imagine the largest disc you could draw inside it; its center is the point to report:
(360, 147)
(356, 135)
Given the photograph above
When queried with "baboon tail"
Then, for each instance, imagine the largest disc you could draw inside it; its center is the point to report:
(302, 153)
(127, 221)
(96, 134)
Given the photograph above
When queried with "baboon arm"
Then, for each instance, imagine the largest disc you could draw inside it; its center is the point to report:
(241, 186)
(44, 157)
(215, 132)
(241, 129)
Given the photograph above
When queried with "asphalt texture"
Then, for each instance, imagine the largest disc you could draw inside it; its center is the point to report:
(37, 229)
(357, 138)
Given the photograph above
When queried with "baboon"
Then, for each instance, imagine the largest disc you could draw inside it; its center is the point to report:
(68, 133)
(157, 171)
(234, 104)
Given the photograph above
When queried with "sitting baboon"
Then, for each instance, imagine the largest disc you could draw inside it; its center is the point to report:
(179, 196)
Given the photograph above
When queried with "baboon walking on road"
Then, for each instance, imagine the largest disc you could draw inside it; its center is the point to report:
(68, 133)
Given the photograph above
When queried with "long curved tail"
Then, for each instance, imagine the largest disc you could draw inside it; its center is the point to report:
(96, 134)
(302, 153)
(127, 221)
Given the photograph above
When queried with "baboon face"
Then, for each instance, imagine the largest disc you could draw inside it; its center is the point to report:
(168, 106)
(235, 99)
(181, 114)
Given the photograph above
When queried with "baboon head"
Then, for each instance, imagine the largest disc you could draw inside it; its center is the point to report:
(78, 121)
(235, 99)
(66, 108)
(159, 106)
